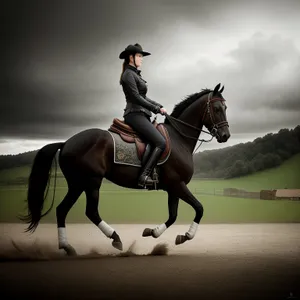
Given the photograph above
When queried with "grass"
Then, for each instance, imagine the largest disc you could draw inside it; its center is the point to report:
(287, 175)
(151, 207)
(120, 205)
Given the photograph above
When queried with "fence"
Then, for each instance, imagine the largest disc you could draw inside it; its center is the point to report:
(233, 192)
(240, 193)
(228, 192)
(216, 192)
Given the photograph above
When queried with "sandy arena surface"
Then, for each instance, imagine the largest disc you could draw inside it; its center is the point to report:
(224, 261)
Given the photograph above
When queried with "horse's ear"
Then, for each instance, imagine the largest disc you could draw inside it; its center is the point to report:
(221, 90)
(216, 88)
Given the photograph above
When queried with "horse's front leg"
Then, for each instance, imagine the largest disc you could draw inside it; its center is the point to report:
(184, 193)
(173, 208)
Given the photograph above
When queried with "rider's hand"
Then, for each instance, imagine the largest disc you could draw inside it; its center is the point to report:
(163, 111)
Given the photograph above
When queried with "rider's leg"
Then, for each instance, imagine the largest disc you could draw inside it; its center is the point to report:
(142, 125)
(145, 178)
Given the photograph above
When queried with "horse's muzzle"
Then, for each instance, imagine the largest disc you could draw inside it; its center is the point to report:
(223, 134)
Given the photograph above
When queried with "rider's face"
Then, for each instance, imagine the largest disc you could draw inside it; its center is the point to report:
(138, 59)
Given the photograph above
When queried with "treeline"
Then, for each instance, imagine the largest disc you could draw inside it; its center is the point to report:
(18, 160)
(242, 159)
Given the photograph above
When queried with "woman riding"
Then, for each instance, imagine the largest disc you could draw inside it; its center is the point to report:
(138, 109)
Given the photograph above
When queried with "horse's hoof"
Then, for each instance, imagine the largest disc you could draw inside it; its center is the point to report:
(180, 239)
(147, 232)
(117, 245)
(70, 250)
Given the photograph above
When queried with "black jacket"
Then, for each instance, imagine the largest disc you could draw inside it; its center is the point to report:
(135, 90)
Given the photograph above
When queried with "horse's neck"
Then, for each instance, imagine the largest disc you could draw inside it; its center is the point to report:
(193, 116)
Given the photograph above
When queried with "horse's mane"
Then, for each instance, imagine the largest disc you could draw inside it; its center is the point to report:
(181, 106)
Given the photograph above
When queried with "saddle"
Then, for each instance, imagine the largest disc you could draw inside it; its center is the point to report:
(129, 135)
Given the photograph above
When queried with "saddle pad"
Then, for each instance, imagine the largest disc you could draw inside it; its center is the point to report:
(126, 153)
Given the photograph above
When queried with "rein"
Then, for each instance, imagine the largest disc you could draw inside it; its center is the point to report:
(172, 119)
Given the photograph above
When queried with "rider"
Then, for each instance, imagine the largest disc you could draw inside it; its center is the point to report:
(138, 109)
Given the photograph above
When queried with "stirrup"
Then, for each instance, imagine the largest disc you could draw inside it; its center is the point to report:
(146, 180)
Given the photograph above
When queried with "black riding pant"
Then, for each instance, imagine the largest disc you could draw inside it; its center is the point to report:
(141, 123)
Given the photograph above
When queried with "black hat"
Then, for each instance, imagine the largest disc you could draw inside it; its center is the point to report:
(132, 49)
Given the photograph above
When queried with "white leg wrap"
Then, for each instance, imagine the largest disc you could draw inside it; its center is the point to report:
(106, 229)
(157, 231)
(62, 237)
(192, 231)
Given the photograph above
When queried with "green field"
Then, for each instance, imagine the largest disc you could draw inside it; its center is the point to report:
(120, 205)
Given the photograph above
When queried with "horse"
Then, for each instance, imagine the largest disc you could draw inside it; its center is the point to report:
(86, 158)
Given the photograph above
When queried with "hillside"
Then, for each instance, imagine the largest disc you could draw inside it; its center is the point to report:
(18, 160)
(247, 158)
(287, 175)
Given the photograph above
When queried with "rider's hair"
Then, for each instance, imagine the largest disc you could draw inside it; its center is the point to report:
(126, 62)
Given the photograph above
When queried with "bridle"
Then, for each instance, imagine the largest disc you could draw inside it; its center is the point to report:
(209, 111)
(214, 130)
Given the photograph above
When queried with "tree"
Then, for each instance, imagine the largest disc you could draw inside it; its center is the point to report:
(271, 160)
(257, 163)
(239, 168)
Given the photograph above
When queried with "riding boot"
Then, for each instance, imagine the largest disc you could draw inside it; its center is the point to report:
(145, 178)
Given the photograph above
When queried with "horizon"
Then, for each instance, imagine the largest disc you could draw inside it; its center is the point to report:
(61, 66)
(200, 149)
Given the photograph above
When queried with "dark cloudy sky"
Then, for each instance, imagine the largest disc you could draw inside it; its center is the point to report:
(60, 67)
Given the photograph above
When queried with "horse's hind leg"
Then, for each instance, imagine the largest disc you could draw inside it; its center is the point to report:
(61, 213)
(92, 202)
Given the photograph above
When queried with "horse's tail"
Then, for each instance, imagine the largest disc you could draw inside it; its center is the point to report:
(39, 179)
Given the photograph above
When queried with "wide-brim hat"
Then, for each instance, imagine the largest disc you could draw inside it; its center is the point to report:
(132, 49)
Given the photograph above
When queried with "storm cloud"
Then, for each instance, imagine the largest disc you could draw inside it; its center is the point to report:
(60, 70)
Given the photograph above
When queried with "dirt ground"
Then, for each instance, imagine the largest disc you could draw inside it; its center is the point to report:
(241, 261)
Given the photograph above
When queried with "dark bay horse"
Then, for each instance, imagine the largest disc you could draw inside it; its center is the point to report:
(88, 157)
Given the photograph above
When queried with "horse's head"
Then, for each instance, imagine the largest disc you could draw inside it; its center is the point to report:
(214, 118)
